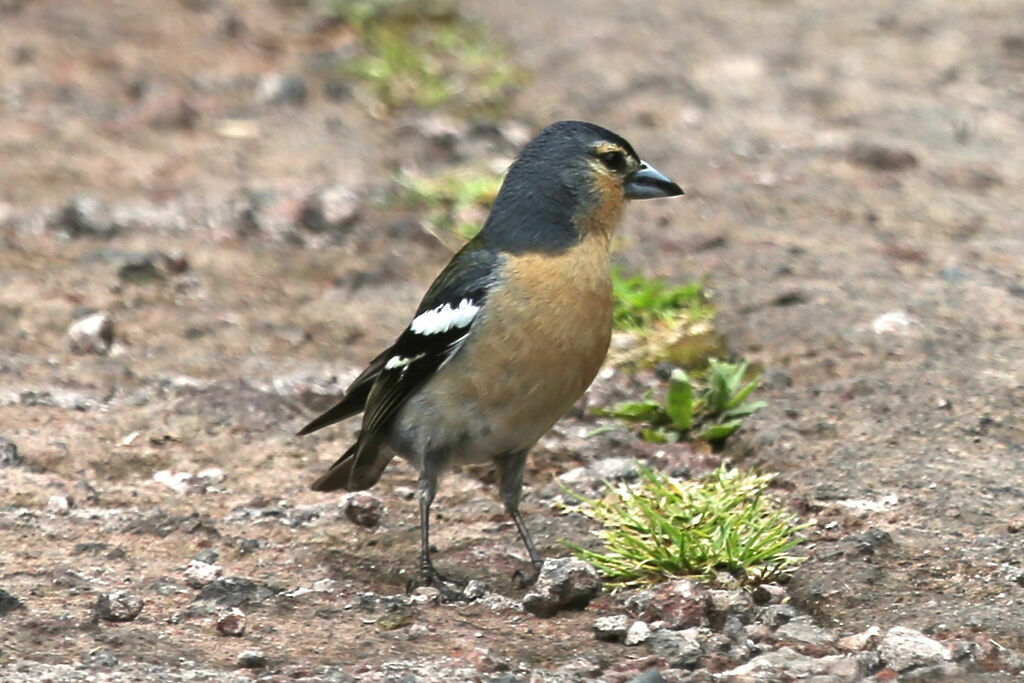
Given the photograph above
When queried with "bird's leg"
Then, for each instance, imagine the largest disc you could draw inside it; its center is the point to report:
(426, 488)
(510, 484)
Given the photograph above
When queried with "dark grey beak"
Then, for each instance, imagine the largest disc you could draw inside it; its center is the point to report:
(648, 182)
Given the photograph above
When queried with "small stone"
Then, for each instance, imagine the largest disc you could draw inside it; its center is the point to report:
(475, 590)
(563, 583)
(880, 157)
(680, 604)
(251, 659)
(362, 507)
(768, 594)
(211, 476)
(637, 633)
(91, 334)
(119, 606)
(904, 648)
(325, 585)
(781, 665)
(611, 629)
(167, 109)
(9, 456)
(724, 604)
(9, 603)
(281, 88)
(893, 322)
(679, 649)
(209, 556)
(759, 633)
(649, 676)
(865, 640)
(425, 595)
(776, 615)
(199, 574)
(58, 505)
(100, 659)
(331, 209)
(85, 217)
(141, 268)
(231, 622)
(803, 635)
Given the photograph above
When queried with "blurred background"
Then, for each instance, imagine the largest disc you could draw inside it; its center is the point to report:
(214, 212)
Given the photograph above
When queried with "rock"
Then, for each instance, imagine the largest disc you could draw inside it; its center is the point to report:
(723, 604)
(768, 594)
(9, 456)
(425, 595)
(679, 649)
(679, 604)
(362, 507)
(776, 615)
(231, 622)
(475, 590)
(209, 556)
(649, 676)
(58, 505)
(563, 583)
(100, 659)
(279, 88)
(251, 659)
(91, 334)
(759, 633)
(167, 109)
(331, 209)
(880, 157)
(231, 591)
(119, 606)
(803, 635)
(611, 629)
(198, 574)
(85, 217)
(782, 665)
(865, 640)
(904, 648)
(637, 633)
(9, 603)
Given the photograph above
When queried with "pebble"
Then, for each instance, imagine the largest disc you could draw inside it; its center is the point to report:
(637, 633)
(859, 641)
(9, 602)
(880, 157)
(58, 505)
(85, 216)
(92, 334)
(803, 635)
(251, 659)
(199, 574)
(904, 648)
(612, 629)
(679, 649)
(118, 607)
(563, 583)
(679, 604)
(9, 456)
(331, 209)
(281, 88)
(231, 622)
(362, 507)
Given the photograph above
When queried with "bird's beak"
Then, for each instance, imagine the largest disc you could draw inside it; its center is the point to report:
(648, 182)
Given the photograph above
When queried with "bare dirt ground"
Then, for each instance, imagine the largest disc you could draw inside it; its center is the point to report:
(855, 186)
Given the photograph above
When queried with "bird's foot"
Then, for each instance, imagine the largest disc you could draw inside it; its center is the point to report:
(525, 581)
(452, 589)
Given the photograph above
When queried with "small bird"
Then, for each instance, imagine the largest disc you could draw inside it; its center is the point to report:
(509, 335)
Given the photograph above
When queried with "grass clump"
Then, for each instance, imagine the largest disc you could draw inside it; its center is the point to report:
(640, 303)
(423, 54)
(711, 410)
(455, 202)
(662, 528)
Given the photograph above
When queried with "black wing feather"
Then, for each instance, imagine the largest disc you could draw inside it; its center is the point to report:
(379, 390)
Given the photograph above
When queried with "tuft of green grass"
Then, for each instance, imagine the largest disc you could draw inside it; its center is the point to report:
(662, 528)
(711, 410)
(454, 202)
(423, 54)
(641, 303)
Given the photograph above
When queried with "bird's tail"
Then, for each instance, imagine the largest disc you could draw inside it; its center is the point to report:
(359, 468)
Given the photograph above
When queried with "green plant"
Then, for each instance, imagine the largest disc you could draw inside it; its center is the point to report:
(456, 201)
(662, 528)
(641, 303)
(712, 410)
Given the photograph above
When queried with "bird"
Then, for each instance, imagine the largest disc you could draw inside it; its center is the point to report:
(510, 334)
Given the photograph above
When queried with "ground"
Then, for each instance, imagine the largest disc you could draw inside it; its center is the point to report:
(854, 175)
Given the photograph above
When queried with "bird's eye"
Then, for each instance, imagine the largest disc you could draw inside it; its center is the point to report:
(613, 161)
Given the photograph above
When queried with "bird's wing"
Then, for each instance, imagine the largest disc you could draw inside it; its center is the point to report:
(442, 322)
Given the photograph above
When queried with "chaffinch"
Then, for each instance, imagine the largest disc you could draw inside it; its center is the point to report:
(509, 335)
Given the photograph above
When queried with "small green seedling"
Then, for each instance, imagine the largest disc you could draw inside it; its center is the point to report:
(661, 528)
(710, 412)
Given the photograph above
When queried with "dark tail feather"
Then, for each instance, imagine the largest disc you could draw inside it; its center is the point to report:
(351, 403)
(359, 468)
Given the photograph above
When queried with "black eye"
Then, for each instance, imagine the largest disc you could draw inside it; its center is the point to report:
(613, 161)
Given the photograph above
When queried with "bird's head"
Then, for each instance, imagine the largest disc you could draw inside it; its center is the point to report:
(570, 182)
